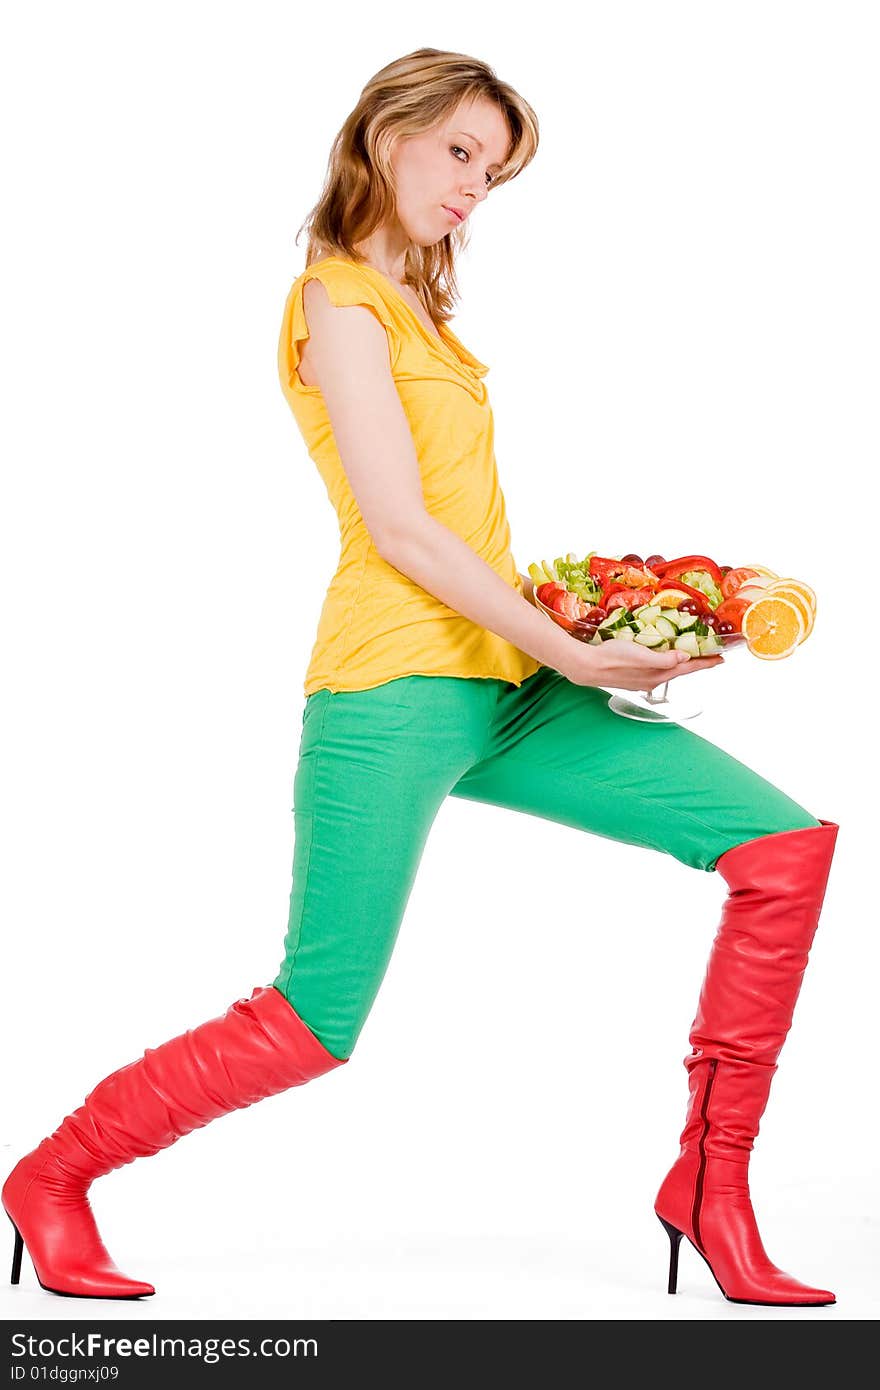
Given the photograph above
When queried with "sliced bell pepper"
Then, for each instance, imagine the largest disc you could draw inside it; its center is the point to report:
(603, 568)
(671, 569)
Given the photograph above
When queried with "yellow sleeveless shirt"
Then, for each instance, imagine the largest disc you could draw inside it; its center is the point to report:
(376, 623)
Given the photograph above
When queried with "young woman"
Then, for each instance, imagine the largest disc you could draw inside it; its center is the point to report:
(433, 675)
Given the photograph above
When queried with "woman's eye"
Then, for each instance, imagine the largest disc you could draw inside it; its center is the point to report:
(463, 151)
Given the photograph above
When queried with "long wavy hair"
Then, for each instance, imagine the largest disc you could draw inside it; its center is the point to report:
(407, 97)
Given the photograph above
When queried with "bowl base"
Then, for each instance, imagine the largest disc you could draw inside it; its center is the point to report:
(638, 705)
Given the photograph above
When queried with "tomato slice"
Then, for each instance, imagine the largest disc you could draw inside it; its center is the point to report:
(735, 578)
(623, 597)
(547, 592)
(731, 610)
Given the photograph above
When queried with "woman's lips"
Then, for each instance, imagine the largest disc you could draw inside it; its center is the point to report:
(453, 213)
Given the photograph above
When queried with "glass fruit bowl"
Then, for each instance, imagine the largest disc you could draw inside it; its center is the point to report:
(655, 706)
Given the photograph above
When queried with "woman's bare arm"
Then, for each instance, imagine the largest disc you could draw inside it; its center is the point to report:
(349, 355)
(441, 562)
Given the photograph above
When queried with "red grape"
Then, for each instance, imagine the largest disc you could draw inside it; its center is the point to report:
(632, 560)
(653, 560)
(689, 605)
(595, 615)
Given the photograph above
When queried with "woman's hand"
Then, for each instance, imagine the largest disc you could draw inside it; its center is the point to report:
(629, 666)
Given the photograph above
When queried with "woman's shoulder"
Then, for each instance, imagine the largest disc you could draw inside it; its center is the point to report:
(337, 270)
(347, 282)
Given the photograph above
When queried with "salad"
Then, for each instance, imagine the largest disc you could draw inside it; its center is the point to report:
(691, 602)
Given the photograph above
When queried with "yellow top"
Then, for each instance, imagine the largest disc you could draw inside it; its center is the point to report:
(376, 623)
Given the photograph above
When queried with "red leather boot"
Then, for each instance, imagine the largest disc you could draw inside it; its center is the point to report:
(259, 1047)
(777, 886)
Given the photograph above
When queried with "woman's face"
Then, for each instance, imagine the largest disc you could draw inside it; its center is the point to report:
(447, 168)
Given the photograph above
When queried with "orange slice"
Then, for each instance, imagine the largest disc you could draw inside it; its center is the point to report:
(762, 569)
(795, 596)
(772, 627)
(800, 587)
(756, 581)
(668, 598)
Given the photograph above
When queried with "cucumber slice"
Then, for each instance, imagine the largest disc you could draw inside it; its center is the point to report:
(648, 612)
(614, 620)
(710, 645)
(625, 634)
(686, 621)
(649, 637)
(672, 615)
(688, 642)
(665, 627)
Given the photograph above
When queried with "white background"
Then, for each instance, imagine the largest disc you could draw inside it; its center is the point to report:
(679, 302)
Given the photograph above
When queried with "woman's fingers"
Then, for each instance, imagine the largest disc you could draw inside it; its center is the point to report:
(696, 663)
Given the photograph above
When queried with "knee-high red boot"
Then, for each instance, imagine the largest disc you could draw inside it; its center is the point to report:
(259, 1047)
(777, 886)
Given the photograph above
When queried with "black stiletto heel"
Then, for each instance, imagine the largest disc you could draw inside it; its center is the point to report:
(674, 1242)
(16, 1254)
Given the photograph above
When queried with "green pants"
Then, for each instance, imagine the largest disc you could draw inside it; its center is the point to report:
(375, 766)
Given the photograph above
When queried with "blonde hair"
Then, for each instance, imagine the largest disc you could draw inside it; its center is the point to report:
(407, 97)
